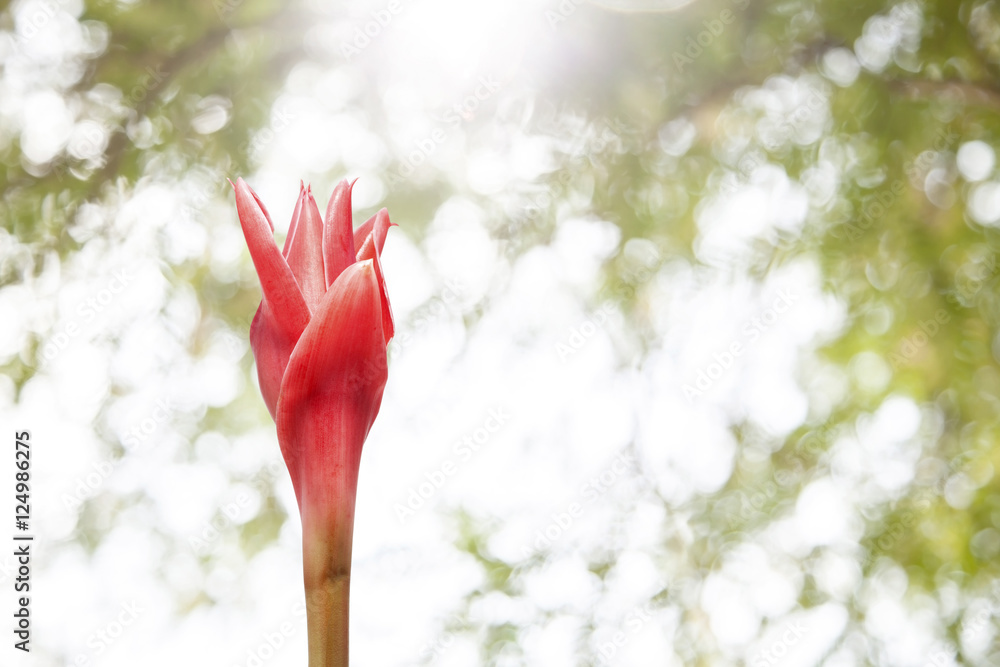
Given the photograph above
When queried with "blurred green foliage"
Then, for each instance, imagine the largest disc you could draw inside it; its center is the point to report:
(918, 275)
(898, 247)
(162, 58)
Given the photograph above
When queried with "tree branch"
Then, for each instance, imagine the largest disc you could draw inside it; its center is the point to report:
(170, 66)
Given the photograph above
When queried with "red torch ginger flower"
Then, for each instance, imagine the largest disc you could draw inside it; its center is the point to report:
(319, 340)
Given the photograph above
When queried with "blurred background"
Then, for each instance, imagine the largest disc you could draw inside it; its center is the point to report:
(696, 359)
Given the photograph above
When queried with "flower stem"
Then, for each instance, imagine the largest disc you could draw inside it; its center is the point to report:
(328, 531)
(327, 612)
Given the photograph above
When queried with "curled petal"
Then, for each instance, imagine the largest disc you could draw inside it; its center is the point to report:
(338, 238)
(371, 249)
(362, 233)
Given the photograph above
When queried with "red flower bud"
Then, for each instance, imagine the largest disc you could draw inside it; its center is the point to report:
(319, 340)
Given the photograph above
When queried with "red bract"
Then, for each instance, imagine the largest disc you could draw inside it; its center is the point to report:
(319, 339)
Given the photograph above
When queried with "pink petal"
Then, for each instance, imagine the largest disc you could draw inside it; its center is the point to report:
(332, 390)
(283, 314)
(295, 220)
(271, 351)
(362, 233)
(372, 249)
(305, 250)
(338, 238)
(263, 208)
(276, 279)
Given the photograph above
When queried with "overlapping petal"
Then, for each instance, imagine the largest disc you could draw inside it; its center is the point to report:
(303, 249)
(283, 313)
(371, 249)
(319, 339)
(303, 293)
(338, 233)
(332, 388)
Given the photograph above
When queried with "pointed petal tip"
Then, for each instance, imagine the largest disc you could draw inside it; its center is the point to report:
(343, 184)
(262, 207)
(338, 235)
(384, 211)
